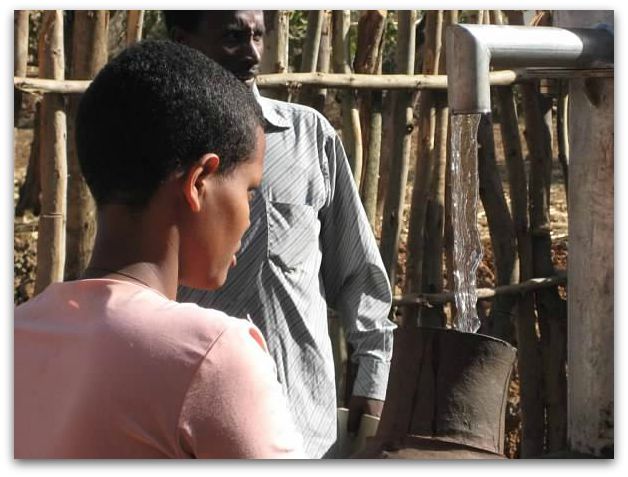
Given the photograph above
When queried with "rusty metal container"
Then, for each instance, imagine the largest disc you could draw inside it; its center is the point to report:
(446, 397)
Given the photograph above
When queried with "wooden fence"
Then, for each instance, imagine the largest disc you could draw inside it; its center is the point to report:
(395, 129)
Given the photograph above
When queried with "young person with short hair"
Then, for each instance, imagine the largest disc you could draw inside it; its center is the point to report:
(310, 246)
(111, 366)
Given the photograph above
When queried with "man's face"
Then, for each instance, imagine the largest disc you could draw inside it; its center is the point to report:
(234, 39)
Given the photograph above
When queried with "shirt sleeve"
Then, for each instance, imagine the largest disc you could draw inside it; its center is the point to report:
(235, 407)
(356, 283)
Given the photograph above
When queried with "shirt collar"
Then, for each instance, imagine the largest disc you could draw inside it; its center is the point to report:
(269, 110)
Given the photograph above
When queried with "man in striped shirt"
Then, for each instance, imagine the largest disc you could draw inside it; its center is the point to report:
(309, 246)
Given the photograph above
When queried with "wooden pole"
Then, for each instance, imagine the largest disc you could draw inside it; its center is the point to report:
(134, 23)
(530, 364)
(388, 138)
(318, 96)
(30, 190)
(368, 60)
(521, 289)
(392, 82)
(352, 142)
(562, 132)
(432, 257)
(394, 206)
(423, 168)
(311, 47)
(370, 181)
(20, 37)
(89, 55)
(448, 234)
(351, 130)
(551, 308)
(275, 57)
(371, 26)
(501, 230)
(594, 368)
(51, 238)
(312, 40)
(20, 55)
(552, 319)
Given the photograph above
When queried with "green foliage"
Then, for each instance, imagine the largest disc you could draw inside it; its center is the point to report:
(154, 26)
(34, 25)
(390, 42)
(296, 34)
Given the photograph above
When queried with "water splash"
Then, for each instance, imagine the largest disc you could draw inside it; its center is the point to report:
(467, 246)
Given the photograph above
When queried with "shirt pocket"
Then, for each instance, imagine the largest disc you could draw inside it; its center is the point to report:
(293, 232)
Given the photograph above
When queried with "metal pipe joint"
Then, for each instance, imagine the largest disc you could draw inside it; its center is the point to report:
(472, 49)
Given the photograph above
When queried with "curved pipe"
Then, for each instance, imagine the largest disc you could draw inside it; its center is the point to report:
(472, 49)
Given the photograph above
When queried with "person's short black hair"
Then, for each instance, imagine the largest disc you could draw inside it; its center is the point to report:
(186, 20)
(157, 108)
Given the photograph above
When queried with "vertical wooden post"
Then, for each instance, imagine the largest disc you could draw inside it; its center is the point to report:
(352, 142)
(351, 130)
(591, 253)
(432, 256)
(319, 95)
(501, 230)
(368, 54)
(591, 270)
(423, 164)
(387, 147)
(20, 55)
(275, 57)
(312, 41)
(551, 312)
(89, 55)
(550, 307)
(393, 208)
(371, 171)
(311, 47)
(562, 132)
(20, 37)
(530, 362)
(30, 189)
(368, 60)
(134, 23)
(51, 239)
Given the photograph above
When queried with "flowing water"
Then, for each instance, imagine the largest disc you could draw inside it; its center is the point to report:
(467, 246)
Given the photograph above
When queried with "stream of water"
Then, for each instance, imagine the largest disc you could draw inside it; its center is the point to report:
(467, 245)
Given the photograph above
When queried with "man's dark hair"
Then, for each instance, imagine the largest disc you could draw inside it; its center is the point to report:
(155, 109)
(186, 20)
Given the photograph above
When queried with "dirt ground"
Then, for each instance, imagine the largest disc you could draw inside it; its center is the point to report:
(25, 245)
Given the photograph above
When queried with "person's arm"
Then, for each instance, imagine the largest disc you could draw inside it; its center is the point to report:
(235, 407)
(356, 284)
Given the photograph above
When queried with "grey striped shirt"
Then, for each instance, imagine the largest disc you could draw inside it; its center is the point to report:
(309, 246)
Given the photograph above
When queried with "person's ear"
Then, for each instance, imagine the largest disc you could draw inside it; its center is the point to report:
(195, 184)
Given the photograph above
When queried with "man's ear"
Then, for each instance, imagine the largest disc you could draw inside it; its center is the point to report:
(195, 185)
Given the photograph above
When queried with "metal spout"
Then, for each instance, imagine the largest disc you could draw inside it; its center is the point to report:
(472, 49)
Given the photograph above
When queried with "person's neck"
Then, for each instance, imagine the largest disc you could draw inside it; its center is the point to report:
(135, 248)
